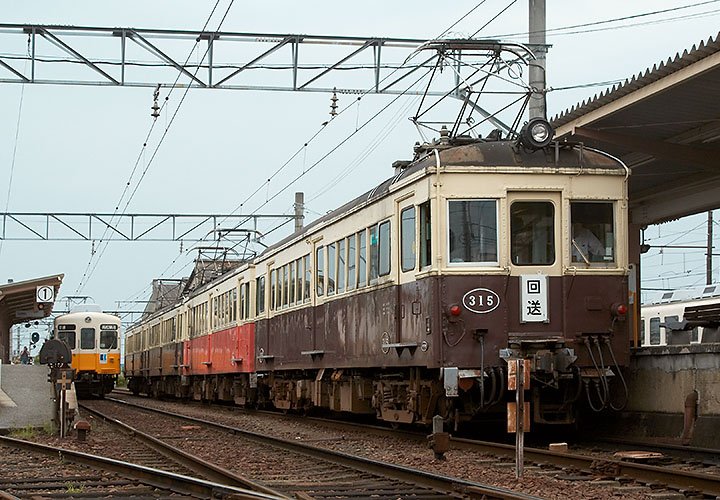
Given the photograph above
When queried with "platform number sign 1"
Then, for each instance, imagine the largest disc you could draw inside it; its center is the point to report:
(534, 298)
(45, 294)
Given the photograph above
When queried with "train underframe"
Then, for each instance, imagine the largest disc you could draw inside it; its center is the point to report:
(412, 395)
(89, 384)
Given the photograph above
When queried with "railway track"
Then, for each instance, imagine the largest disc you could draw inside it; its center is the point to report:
(296, 469)
(575, 466)
(37, 471)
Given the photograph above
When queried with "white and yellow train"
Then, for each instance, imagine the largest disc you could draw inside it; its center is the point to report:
(94, 340)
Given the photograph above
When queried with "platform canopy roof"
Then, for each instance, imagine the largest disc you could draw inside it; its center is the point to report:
(664, 123)
(18, 299)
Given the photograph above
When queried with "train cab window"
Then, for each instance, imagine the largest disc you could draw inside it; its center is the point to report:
(592, 233)
(260, 295)
(407, 239)
(351, 261)
(67, 336)
(532, 233)
(384, 249)
(655, 331)
(425, 240)
(341, 266)
(331, 269)
(362, 259)
(108, 339)
(320, 272)
(473, 231)
(87, 338)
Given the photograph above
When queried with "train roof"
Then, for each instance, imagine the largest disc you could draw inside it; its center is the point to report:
(685, 294)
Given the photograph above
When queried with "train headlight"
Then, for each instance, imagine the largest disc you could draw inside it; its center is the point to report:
(537, 133)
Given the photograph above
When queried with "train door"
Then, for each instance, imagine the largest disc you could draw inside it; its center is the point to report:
(410, 325)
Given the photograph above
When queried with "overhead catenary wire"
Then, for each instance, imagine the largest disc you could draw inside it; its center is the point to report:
(90, 271)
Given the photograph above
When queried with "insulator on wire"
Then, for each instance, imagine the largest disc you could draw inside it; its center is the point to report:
(333, 104)
(155, 108)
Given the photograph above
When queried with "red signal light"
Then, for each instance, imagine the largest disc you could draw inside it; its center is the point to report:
(621, 309)
(455, 310)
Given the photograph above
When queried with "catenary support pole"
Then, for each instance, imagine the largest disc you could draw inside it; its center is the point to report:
(537, 67)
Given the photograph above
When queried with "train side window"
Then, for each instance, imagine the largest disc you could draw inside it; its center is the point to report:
(87, 338)
(298, 281)
(308, 277)
(373, 253)
(286, 295)
(473, 231)
(532, 233)
(247, 300)
(643, 341)
(341, 266)
(331, 269)
(68, 337)
(351, 261)
(108, 339)
(407, 239)
(655, 331)
(260, 295)
(234, 309)
(384, 249)
(278, 299)
(593, 233)
(243, 292)
(320, 272)
(272, 290)
(291, 283)
(362, 258)
(425, 239)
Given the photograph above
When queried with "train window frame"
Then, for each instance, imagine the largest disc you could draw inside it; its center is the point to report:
(588, 231)
(655, 329)
(384, 248)
(351, 261)
(408, 253)
(291, 283)
(113, 344)
(298, 281)
(285, 287)
(478, 263)
(320, 271)
(341, 265)
(515, 232)
(307, 281)
(331, 257)
(83, 338)
(260, 295)
(272, 289)
(425, 235)
(363, 267)
(373, 252)
(63, 335)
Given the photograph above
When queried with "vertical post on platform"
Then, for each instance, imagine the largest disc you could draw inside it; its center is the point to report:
(518, 413)
(520, 431)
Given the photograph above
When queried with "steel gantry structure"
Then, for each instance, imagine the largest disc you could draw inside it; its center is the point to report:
(58, 226)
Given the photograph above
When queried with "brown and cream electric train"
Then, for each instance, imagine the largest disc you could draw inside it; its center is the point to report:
(408, 301)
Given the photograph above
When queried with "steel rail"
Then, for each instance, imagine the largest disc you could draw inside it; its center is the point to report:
(192, 462)
(679, 479)
(385, 469)
(160, 479)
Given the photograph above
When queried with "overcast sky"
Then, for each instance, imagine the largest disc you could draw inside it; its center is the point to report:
(75, 146)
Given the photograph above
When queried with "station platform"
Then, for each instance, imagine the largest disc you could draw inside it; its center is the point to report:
(26, 396)
(674, 397)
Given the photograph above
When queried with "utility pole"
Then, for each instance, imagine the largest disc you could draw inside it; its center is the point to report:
(537, 67)
(708, 258)
(299, 210)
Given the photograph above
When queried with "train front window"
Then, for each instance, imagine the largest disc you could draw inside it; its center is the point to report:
(473, 231)
(592, 233)
(108, 339)
(68, 337)
(532, 233)
(87, 338)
